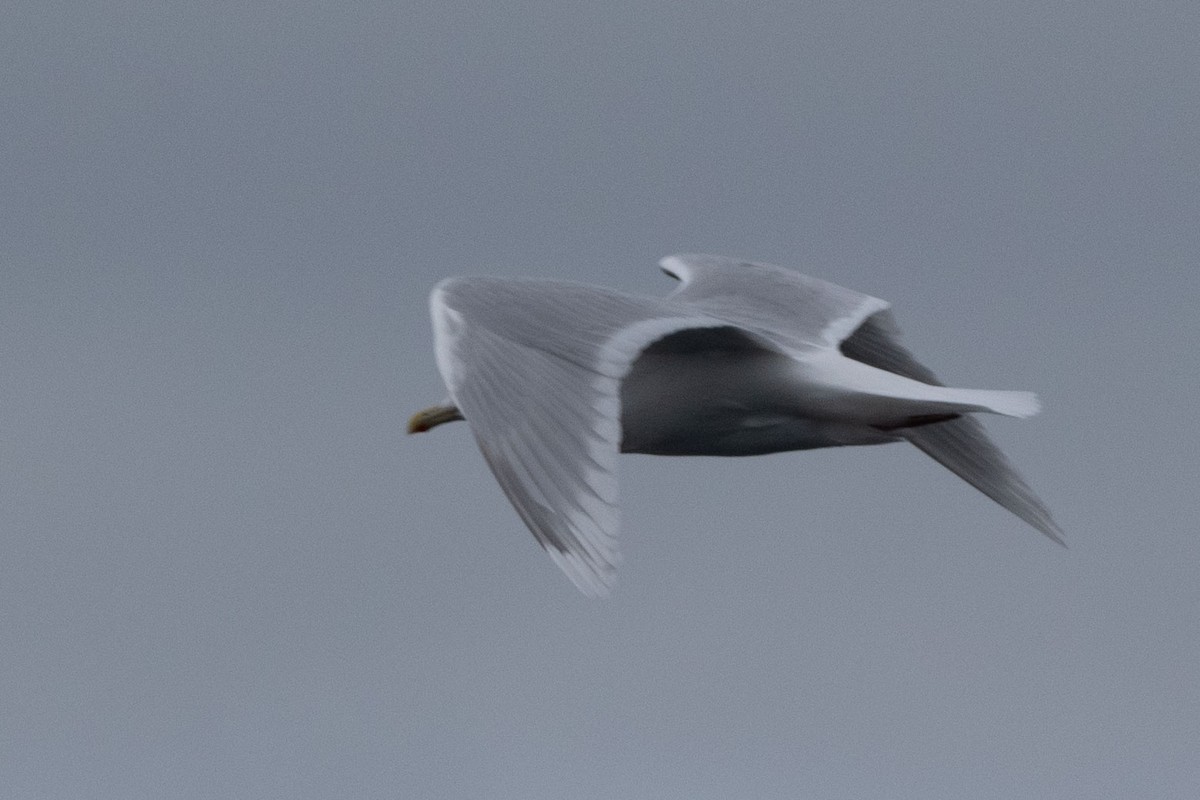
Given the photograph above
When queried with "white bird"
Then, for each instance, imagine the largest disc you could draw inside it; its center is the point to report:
(556, 378)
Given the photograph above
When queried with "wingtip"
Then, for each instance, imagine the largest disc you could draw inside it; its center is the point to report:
(1054, 533)
(673, 265)
(592, 580)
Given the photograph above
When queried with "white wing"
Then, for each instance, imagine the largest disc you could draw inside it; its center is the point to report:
(792, 310)
(535, 368)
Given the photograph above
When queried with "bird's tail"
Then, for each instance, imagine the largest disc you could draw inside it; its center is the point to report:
(1010, 404)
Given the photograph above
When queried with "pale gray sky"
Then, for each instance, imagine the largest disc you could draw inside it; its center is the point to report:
(226, 572)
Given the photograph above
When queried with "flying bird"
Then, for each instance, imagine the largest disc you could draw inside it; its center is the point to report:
(556, 378)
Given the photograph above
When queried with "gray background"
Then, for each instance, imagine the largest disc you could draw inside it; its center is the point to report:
(226, 572)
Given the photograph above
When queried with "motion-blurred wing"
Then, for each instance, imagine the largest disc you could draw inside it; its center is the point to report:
(535, 368)
(961, 445)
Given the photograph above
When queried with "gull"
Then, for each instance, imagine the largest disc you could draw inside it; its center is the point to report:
(556, 378)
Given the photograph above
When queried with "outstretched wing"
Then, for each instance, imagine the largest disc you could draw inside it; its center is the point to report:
(961, 445)
(792, 310)
(535, 368)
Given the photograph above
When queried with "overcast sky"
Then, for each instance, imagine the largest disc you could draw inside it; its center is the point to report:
(226, 572)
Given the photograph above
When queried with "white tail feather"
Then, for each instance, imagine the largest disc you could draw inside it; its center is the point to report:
(1010, 404)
